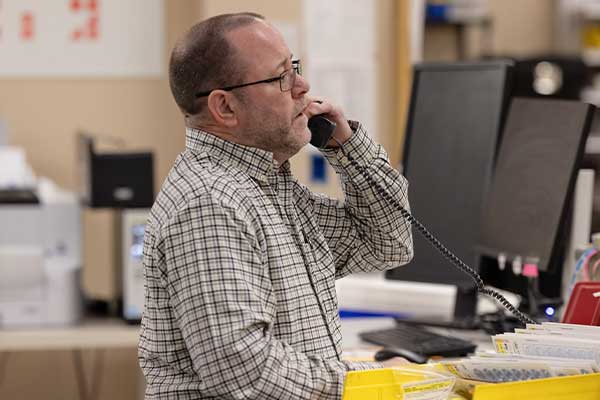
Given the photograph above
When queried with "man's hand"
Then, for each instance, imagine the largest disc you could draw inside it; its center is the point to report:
(335, 114)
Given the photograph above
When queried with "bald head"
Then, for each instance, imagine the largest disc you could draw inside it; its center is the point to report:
(204, 59)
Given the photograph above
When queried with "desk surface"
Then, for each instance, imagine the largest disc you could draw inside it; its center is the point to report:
(114, 333)
(91, 333)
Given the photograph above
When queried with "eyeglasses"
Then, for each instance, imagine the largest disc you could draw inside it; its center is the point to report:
(286, 79)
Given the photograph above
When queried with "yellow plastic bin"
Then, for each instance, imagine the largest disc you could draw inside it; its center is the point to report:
(577, 387)
(396, 383)
(401, 383)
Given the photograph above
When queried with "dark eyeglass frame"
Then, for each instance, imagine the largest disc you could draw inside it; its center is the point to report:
(296, 70)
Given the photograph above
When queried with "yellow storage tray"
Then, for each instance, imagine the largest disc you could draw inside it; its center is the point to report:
(577, 387)
(391, 384)
(396, 383)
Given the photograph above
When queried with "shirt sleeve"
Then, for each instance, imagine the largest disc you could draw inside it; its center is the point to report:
(365, 232)
(224, 305)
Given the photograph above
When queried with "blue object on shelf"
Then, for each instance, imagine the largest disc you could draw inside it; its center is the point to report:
(436, 12)
(318, 168)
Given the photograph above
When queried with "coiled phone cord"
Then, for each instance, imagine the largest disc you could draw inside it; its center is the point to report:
(438, 245)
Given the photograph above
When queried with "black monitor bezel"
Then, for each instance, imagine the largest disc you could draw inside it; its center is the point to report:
(466, 297)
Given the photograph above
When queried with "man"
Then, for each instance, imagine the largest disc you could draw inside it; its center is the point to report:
(240, 259)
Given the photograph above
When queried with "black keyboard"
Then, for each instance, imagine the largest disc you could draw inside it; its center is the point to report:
(419, 340)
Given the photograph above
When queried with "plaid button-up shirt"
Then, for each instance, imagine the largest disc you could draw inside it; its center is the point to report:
(240, 265)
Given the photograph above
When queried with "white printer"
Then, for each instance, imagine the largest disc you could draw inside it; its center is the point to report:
(40, 258)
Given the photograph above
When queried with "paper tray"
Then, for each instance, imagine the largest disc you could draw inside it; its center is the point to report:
(397, 383)
(384, 384)
(577, 387)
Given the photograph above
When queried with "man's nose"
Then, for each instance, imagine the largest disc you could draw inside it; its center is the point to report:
(301, 87)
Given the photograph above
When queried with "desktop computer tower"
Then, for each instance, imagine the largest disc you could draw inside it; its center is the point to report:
(113, 276)
(133, 224)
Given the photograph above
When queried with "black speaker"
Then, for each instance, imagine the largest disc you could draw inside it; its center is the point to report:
(115, 180)
(550, 77)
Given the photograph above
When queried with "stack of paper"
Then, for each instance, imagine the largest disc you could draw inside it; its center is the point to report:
(540, 351)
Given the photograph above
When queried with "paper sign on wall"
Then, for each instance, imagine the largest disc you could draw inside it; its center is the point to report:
(341, 51)
(81, 38)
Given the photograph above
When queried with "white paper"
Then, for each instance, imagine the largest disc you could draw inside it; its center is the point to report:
(350, 86)
(14, 171)
(340, 31)
(341, 53)
(81, 38)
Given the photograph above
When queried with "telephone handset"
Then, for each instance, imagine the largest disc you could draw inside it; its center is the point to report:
(321, 130)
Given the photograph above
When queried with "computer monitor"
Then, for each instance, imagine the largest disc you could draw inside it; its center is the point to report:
(455, 117)
(527, 209)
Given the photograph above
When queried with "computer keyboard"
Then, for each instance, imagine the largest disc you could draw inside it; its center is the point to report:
(419, 340)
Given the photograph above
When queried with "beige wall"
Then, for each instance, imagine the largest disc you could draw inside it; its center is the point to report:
(43, 116)
(397, 68)
(522, 27)
(517, 28)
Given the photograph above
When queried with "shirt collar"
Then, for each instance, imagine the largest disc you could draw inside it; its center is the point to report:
(257, 163)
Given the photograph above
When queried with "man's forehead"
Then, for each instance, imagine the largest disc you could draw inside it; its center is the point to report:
(258, 36)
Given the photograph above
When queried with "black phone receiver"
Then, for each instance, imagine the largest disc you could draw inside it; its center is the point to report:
(321, 130)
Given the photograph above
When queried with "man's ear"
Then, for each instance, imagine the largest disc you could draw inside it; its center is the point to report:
(222, 108)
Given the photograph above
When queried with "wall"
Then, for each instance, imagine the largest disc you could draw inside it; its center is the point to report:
(517, 28)
(522, 27)
(43, 116)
